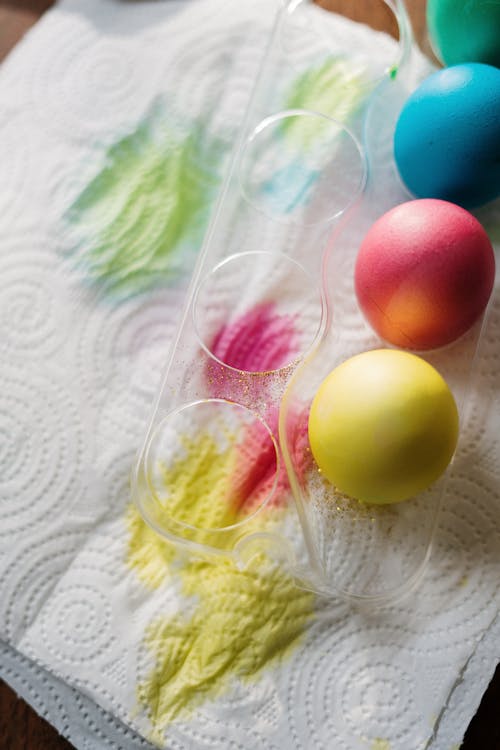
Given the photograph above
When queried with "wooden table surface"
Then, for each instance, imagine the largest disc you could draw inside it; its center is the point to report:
(20, 727)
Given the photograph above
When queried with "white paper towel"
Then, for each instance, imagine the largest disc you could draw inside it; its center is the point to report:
(83, 341)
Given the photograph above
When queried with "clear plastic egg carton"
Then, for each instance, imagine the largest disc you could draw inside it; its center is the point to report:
(271, 310)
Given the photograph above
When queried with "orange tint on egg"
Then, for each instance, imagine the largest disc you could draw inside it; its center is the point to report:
(424, 274)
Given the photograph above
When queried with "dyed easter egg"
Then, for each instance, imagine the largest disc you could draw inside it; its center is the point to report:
(383, 426)
(465, 30)
(424, 273)
(447, 137)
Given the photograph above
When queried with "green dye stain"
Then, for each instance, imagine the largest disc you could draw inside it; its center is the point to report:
(379, 744)
(335, 88)
(140, 220)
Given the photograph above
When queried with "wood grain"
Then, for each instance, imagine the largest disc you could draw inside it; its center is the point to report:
(16, 18)
(20, 727)
(483, 732)
(375, 13)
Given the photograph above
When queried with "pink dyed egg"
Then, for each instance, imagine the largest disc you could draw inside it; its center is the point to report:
(424, 274)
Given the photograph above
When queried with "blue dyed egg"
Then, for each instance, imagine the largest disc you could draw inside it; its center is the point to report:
(447, 138)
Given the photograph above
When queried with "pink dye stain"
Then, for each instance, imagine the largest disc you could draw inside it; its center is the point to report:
(260, 341)
(255, 469)
(255, 476)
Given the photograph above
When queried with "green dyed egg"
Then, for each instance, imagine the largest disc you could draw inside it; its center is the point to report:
(465, 30)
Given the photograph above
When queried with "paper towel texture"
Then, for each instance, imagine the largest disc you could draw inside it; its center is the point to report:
(115, 122)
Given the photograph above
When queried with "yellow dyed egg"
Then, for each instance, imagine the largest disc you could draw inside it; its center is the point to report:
(383, 426)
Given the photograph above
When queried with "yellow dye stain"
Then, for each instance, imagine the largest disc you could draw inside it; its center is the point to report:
(148, 554)
(198, 484)
(379, 744)
(194, 490)
(243, 622)
(235, 622)
(208, 488)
